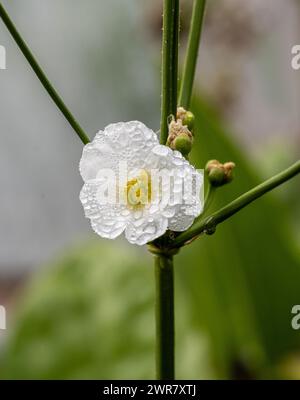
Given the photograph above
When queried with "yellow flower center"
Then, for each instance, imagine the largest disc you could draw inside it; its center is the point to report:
(138, 190)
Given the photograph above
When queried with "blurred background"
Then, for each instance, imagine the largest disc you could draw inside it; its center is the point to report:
(82, 307)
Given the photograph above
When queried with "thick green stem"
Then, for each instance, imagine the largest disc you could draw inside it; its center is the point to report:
(169, 65)
(164, 263)
(189, 69)
(164, 317)
(41, 75)
(210, 223)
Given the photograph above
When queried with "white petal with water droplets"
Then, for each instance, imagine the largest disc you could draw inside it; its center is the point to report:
(146, 231)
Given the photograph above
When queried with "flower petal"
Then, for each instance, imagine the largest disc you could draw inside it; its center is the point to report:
(132, 141)
(145, 230)
(107, 220)
(192, 202)
(183, 218)
(97, 155)
(109, 225)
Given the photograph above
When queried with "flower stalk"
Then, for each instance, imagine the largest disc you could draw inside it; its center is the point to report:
(210, 223)
(164, 313)
(169, 75)
(41, 75)
(189, 68)
(164, 288)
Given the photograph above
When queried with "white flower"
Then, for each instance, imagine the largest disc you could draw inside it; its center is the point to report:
(142, 208)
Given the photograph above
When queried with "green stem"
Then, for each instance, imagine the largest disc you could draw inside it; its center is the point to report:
(164, 317)
(164, 263)
(189, 69)
(41, 75)
(209, 224)
(169, 65)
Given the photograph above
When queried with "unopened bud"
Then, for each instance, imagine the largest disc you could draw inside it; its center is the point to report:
(219, 174)
(180, 138)
(228, 167)
(187, 117)
(189, 120)
(183, 143)
(180, 113)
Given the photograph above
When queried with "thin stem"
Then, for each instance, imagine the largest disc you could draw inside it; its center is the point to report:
(210, 223)
(169, 65)
(189, 69)
(164, 310)
(41, 75)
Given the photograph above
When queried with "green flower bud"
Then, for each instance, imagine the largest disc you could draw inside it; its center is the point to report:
(183, 143)
(189, 120)
(219, 174)
(187, 117)
(180, 138)
(217, 177)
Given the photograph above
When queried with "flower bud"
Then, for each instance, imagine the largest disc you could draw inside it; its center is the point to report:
(217, 177)
(189, 120)
(183, 143)
(180, 113)
(187, 117)
(229, 166)
(180, 138)
(219, 174)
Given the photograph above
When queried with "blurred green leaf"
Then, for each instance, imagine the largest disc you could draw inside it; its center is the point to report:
(91, 316)
(86, 317)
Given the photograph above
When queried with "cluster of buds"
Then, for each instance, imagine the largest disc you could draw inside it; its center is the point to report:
(219, 174)
(180, 132)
